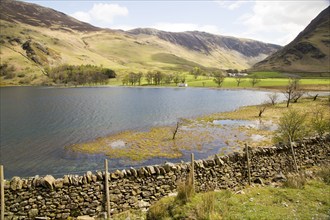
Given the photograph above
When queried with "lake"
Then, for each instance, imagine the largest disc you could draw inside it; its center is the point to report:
(38, 122)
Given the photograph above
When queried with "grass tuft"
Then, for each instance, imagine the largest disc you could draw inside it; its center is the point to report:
(185, 191)
(207, 207)
(324, 174)
(296, 181)
(161, 209)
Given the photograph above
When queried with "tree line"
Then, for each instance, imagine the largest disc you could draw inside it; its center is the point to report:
(79, 75)
(153, 78)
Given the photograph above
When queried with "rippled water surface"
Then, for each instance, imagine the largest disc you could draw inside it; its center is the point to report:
(37, 122)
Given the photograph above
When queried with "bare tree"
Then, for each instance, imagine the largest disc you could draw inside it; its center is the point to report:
(262, 108)
(254, 80)
(297, 94)
(239, 80)
(176, 129)
(273, 97)
(291, 89)
(314, 97)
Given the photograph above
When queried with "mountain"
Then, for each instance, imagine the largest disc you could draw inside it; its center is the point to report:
(33, 38)
(206, 43)
(308, 52)
(35, 15)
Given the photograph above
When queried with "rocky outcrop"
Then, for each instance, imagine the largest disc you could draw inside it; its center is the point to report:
(138, 188)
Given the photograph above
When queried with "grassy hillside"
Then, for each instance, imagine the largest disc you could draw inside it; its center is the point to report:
(34, 37)
(115, 50)
(308, 52)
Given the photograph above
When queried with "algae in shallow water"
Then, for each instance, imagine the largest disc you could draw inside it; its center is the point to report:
(157, 142)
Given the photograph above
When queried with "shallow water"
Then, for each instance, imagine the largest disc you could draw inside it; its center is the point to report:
(37, 122)
(258, 124)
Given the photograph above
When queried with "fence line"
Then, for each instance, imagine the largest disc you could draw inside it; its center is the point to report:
(248, 163)
(107, 187)
(2, 191)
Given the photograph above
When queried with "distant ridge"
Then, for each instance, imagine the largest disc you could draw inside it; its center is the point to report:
(206, 42)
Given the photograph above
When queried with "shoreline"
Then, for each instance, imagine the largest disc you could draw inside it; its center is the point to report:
(262, 88)
(199, 133)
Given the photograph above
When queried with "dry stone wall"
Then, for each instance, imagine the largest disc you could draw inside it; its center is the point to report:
(73, 195)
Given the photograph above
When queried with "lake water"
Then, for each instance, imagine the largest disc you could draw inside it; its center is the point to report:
(38, 122)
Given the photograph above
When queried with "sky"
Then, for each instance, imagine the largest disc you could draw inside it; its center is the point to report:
(270, 21)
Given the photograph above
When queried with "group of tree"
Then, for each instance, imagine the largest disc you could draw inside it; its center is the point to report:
(292, 92)
(292, 124)
(132, 78)
(153, 78)
(80, 75)
(157, 77)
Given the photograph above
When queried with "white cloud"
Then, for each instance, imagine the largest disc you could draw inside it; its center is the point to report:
(102, 13)
(286, 19)
(82, 16)
(231, 5)
(123, 27)
(180, 27)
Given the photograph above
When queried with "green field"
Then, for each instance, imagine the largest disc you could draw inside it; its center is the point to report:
(230, 82)
(286, 75)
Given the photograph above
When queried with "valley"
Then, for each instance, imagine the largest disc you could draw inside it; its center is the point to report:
(153, 123)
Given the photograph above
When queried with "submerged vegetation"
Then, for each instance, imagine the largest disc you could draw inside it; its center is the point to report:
(216, 133)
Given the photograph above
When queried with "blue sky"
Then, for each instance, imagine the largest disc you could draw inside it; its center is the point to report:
(269, 21)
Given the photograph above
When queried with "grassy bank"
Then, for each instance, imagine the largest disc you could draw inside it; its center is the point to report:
(299, 198)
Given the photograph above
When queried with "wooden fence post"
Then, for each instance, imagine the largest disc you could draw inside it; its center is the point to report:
(2, 191)
(293, 155)
(107, 188)
(248, 163)
(193, 171)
